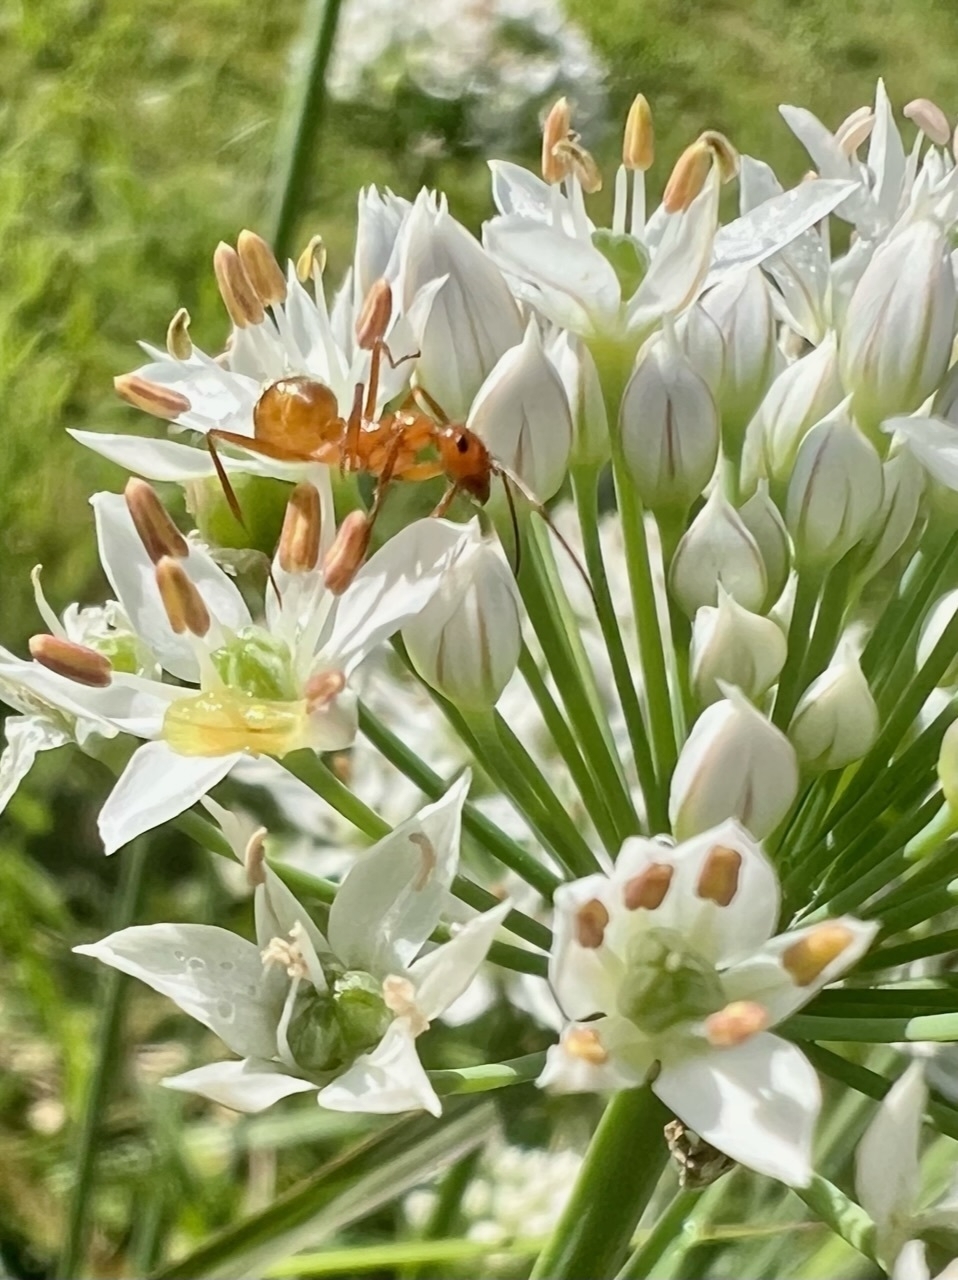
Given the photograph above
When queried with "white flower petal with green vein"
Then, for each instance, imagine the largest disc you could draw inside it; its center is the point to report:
(250, 1085)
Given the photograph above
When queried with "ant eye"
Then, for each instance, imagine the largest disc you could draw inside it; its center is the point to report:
(462, 444)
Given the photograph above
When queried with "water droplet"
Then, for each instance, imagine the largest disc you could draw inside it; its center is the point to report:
(225, 1010)
(195, 963)
(227, 966)
(179, 955)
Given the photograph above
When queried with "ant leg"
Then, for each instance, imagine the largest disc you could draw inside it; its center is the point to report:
(516, 540)
(349, 459)
(445, 502)
(422, 397)
(394, 363)
(228, 491)
(372, 388)
(385, 476)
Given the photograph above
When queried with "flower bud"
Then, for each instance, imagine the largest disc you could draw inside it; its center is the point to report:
(836, 720)
(717, 548)
(521, 414)
(590, 425)
(835, 491)
(801, 395)
(669, 428)
(701, 339)
(904, 485)
(762, 519)
(938, 618)
(735, 764)
(898, 331)
(742, 308)
(465, 643)
(347, 552)
(75, 661)
(735, 647)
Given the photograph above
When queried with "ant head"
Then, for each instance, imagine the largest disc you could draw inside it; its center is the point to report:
(465, 460)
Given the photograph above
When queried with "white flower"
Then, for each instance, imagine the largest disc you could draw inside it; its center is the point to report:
(836, 720)
(742, 309)
(717, 550)
(340, 1013)
(732, 646)
(675, 950)
(763, 520)
(734, 764)
(590, 424)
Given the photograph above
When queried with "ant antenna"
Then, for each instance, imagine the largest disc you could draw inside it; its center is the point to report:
(233, 503)
(540, 510)
(516, 540)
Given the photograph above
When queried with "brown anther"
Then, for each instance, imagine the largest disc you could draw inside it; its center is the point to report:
(373, 319)
(236, 289)
(579, 162)
(648, 888)
(75, 661)
(323, 687)
(262, 269)
(302, 525)
(735, 1024)
(584, 1043)
(178, 341)
(718, 879)
(930, 119)
(152, 522)
(688, 177)
(805, 960)
(590, 924)
(638, 143)
(724, 154)
(855, 129)
(555, 131)
(254, 858)
(151, 397)
(311, 260)
(182, 601)
(347, 552)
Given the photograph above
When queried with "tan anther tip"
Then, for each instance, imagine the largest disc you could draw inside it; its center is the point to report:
(312, 260)
(182, 601)
(638, 143)
(555, 131)
(262, 269)
(805, 960)
(241, 300)
(178, 341)
(373, 320)
(75, 661)
(151, 397)
(347, 552)
(152, 522)
(299, 538)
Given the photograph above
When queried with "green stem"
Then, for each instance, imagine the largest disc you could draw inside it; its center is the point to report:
(491, 1075)
(789, 682)
(298, 145)
(828, 623)
(842, 1215)
(621, 1168)
(446, 1209)
(465, 1256)
(585, 487)
(102, 1075)
(667, 1230)
(314, 773)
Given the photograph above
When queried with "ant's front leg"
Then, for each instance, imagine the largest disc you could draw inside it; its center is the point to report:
(349, 458)
(446, 501)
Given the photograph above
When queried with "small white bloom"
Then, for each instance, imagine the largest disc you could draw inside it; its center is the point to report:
(904, 485)
(734, 764)
(733, 646)
(742, 309)
(674, 949)
(836, 720)
(590, 424)
(764, 522)
(717, 549)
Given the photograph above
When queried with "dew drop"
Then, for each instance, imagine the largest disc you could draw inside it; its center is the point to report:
(225, 1010)
(196, 963)
(227, 966)
(179, 955)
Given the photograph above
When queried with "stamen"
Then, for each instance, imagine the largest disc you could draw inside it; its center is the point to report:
(930, 119)
(153, 523)
(579, 163)
(347, 552)
(855, 129)
(590, 924)
(182, 601)
(724, 154)
(399, 997)
(302, 525)
(648, 888)
(373, 319)
(262, 269)
(287, 954)
(806, 959)
(311, 263)
(584, 1043)
(555, 131)
(151, 397)
(254, 858)
(688, 177)
(74, 661)
(638, 144)
(719, 877)
(178, 341)
(735, 1024)
(236, 289)
(321, 689)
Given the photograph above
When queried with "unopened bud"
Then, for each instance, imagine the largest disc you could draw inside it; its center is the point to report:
(178, 341)
(312, 261)
(74, 661)
(808, 958)
(182, 601)
(688, 177)
(151, 397)
(764, 522)
(799, 397)
(236, 289)
(734, 764)
(717, 549)
(742, 309)
(855, 129)
(735, 1024)
(152, 521)
(322, 688)
(930, 119)
(373, 320)
(347, 552)
(638, 145)
(262, 269)
(302, 524)
(732, 646)
(555, 130)
(904, 486)
(836, 721)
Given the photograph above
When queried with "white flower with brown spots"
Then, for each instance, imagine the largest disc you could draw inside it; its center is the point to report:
(674, 949)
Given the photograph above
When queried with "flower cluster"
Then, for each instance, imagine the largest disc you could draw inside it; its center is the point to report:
(709, 708)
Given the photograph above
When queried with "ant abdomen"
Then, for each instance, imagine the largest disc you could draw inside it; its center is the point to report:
(297, 413)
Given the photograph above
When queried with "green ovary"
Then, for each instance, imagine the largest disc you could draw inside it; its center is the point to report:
(666, 983)
(330, 1030)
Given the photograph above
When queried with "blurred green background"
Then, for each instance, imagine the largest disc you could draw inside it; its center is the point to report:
(134, 136)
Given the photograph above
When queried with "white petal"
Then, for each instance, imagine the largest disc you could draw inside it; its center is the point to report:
(166, 460)
(398, 581)
(886, 157)
(26, 736)
(887, 1170)
(911, 1264)
(444, 974)
(566, 1072)
(157, 785)
(757, 1102)
(250, 1085)
(390, 901)
(585, 979)
(389, 1079)
(934, 442)
(680, 261)
(212, 974)
(516, 190)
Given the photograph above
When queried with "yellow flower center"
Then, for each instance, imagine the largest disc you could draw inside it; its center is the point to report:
(221, 721)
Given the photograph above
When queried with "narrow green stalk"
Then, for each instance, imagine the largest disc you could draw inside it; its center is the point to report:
(315, 774)
(585, 488)
(102, 1074)
(593, 797)
(789, 682)
(296, 150)
(935, 944)
(890, 637)
(913, 911)
(445, 1211)
(667, 1231)
(842, 1215)
(684, 709)
(389, 1256)
(621, 1169)
(828, 623)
